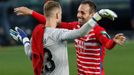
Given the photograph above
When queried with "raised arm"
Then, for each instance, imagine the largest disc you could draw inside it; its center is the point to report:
(26, 12)
(89, 24)
(39, 17)
(73, 34)
(106, 40)
(19, 35)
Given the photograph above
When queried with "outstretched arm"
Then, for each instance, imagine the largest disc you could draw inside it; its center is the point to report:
(39, 17)
(103, 13)
(73, 34)
(105, 39)
(19, 35)
(26, 11)
(107, 42)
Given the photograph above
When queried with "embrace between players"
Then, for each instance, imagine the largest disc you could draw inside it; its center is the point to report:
(48, 47)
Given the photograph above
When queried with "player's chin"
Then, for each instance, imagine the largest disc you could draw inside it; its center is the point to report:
(81, 23)
(59, 23)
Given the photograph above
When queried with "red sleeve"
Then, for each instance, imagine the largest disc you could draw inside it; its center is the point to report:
(69, 25)
(108, 43)
(104, 40)
(39, 17)
(66, 25)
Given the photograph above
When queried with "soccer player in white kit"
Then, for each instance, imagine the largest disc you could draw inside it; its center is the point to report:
(55, 39)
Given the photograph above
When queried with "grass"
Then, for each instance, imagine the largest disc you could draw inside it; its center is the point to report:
(118, 61)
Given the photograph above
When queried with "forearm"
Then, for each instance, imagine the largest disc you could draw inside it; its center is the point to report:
(27, 47)
(87, 27)
(68, 25)
(107, 42)
(80, 32)
(110, 44)
(39, 17)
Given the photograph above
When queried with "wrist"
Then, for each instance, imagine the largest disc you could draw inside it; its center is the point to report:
(25, 40)
(92, 22)
(31, 12)
(97, 16)
(114, 41)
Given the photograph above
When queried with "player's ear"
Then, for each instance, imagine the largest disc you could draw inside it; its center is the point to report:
(57, 15)
(92, 14)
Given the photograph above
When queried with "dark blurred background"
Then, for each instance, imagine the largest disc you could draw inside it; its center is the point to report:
(8, 19)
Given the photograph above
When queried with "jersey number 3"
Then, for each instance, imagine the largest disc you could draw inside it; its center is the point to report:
(50, 66)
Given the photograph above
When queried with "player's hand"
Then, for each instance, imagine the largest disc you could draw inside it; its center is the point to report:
(18, 34)
(105, 13)
(21, 33)
(14, 34)
(119, 39)
(23, 11)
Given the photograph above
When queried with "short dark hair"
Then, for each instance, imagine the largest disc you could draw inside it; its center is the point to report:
(91, 4)
(53, 0)
(49, 6)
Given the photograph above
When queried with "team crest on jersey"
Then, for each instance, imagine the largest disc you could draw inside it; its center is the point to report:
(106, 34)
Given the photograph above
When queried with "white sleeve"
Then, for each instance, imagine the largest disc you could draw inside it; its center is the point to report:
(27, 48)
(73, 34)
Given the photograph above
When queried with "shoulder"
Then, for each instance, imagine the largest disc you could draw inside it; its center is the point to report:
(74, 23)
(55, 31)
(100, 31)
(69, 25)
(99, 28)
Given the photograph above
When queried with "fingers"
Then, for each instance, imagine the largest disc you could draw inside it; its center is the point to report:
(14, 34)
(117, 36)
(12, 31)
(21, 32)
(18, 11)
(23, 11)
(120, 39)
(112, 15)
(107, 13)
(120, 34)
(18, 29)
(111, 12)
(123, 39)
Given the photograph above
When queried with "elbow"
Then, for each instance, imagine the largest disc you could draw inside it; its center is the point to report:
(108, 47)
(83, 33)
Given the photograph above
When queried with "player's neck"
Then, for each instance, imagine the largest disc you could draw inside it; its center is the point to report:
(50, 22)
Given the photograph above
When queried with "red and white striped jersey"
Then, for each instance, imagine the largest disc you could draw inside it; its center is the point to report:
(88, 50)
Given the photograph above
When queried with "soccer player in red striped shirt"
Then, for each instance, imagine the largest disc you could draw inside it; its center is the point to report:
(90, 49)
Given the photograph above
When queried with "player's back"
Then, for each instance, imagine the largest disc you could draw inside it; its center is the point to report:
(56, 56)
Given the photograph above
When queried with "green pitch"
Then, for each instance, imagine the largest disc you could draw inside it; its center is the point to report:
(119, 61)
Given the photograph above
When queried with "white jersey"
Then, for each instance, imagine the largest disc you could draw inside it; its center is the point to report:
(57, 52)
(56, 56)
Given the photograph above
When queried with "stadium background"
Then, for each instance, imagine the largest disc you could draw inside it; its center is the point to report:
(13, 61)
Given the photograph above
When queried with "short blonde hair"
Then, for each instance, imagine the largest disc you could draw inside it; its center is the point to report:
(49, 6)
